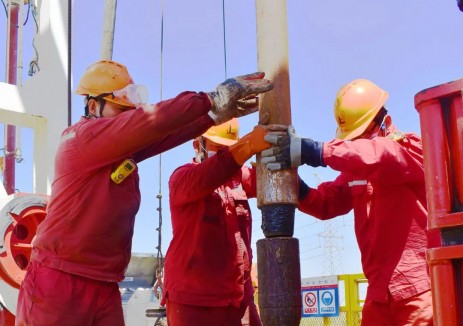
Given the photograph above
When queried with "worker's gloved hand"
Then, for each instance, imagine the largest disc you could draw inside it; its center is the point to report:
(291, 151)
(237, 97)
(249, 145)
(254, 142)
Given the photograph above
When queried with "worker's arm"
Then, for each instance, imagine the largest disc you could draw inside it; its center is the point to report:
(382, 159)
(197, 127)
(192, 182)
(328, 200)
(249, 182)
(105, 140)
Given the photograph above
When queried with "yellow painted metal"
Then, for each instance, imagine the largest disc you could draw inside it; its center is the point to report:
(354, 300)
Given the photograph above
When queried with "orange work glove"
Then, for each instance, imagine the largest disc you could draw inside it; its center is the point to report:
(249, 145)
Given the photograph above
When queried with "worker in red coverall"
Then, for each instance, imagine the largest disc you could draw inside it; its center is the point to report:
(382, 179)
(207, 273)
(83, 246)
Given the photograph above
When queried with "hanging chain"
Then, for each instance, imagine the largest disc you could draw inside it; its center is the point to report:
(159, 256)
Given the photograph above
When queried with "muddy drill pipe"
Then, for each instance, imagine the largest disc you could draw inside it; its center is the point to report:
(278, 254)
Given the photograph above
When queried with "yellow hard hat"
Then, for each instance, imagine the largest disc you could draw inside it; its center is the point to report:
(357, 104)
(105, 77)
(225, 134)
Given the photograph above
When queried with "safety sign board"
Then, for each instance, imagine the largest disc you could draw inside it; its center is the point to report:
(320, 297)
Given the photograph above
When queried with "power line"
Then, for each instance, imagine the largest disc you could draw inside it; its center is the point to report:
(331, 249)
(311, 257)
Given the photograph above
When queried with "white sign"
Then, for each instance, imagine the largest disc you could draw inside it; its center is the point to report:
(320, 297)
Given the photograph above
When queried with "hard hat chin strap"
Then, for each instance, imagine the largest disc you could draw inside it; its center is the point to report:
(101, 102)
(86, 111)
(379, 119)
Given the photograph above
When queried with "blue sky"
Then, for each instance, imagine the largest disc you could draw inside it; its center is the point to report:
(403, 46)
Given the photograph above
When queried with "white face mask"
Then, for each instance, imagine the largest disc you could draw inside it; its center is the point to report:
(211, 153)
(136, 94)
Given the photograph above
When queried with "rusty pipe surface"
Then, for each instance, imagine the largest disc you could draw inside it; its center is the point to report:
(277, 189)
(278, 263)
(278, 266)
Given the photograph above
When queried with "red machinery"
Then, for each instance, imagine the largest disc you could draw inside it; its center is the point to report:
(20, 215)
(441, 118)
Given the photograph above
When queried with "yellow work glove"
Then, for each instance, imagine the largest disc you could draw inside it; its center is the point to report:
(249, 145)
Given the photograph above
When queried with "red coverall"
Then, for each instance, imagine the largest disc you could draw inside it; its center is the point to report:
(382, 180)
(83, 246)
(207, 273)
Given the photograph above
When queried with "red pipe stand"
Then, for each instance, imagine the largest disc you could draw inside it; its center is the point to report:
(441, 118)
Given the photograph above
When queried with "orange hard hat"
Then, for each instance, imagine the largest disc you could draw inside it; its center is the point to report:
(105, 77)
(357, 104)
(225, 134)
